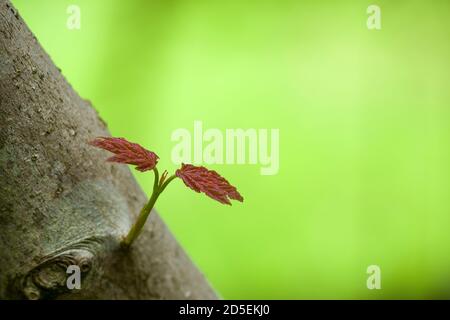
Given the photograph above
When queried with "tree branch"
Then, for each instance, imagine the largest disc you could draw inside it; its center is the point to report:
(60, 203)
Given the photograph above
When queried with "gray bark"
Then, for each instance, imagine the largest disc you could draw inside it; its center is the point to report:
(61, 204)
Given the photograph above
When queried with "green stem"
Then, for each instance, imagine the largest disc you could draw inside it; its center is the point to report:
(142, 218)
(146, 210)
(155, 183)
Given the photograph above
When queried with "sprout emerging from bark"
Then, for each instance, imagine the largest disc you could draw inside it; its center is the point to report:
(199, 179)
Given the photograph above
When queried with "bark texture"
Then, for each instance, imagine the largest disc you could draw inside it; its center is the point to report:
(60, 203)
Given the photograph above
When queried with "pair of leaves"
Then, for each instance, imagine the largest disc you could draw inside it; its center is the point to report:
(199, 179)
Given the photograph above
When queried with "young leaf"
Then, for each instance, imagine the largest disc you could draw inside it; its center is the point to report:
(127, 152)
(209, 182)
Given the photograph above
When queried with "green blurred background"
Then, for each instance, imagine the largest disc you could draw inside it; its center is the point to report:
(364, 132)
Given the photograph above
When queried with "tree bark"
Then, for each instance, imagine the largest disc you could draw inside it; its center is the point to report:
(61, 204)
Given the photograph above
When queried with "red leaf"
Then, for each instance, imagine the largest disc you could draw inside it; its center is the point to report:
(127, 152)
(209, 182)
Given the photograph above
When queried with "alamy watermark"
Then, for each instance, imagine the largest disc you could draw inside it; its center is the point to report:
(74, 19)
(374, 19)
(231, 146)
(74, 280)
(374, 279)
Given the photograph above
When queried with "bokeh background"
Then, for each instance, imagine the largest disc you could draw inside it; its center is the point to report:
(364, 132)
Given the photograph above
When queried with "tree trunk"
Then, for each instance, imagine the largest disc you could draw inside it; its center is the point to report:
(61, 204)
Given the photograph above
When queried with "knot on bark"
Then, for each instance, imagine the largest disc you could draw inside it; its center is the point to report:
(49, 278)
